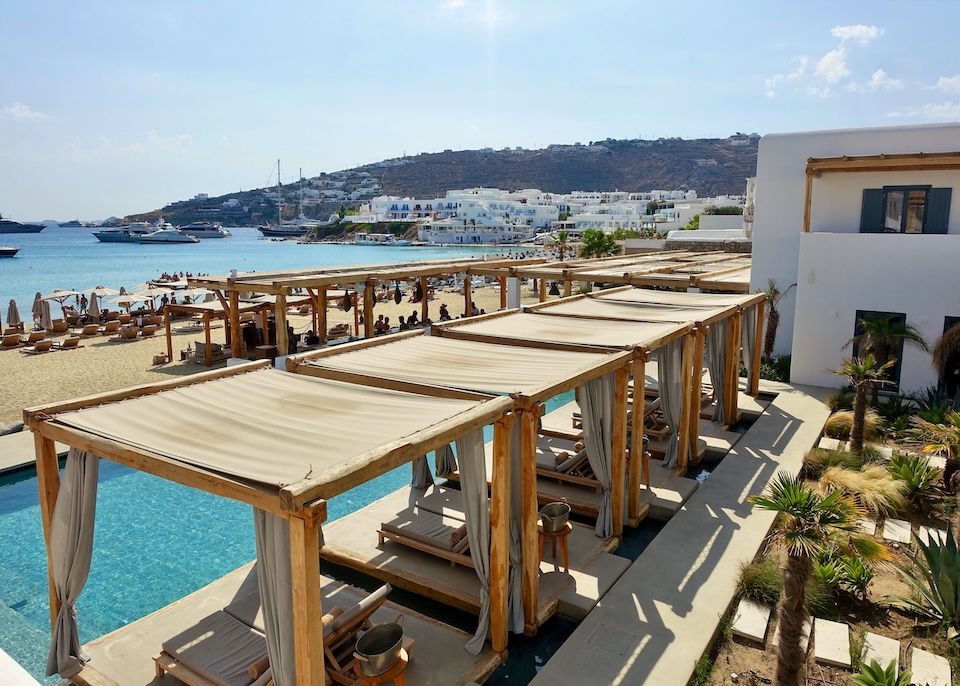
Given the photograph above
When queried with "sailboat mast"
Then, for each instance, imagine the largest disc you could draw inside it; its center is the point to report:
(279, 197)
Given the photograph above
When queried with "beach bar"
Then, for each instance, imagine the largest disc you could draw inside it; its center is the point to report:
(284, 444)
(529, 376)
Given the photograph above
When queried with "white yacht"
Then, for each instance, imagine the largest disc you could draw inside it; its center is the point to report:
(204, 229)
(170, 235)
(124, 234)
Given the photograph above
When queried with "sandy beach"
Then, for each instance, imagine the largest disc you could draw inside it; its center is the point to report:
(102, 365)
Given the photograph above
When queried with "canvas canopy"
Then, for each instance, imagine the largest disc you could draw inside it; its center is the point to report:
(648, 295)
(625, 310)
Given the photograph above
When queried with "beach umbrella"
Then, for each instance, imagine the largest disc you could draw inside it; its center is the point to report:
(152, 290)
(100, 291)
(397, 295)
(37, 308)
(128, 299)
(209, 297)
(59, 295)
(13, 314)
(93, 311)
(46, 319)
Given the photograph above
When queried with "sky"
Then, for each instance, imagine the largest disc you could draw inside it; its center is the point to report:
(110, 107)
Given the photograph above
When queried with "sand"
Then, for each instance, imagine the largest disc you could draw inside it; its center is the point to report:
(101, 365)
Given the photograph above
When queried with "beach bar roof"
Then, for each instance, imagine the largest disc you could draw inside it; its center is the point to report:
(529, 375)
(318, 281)
(279, 442)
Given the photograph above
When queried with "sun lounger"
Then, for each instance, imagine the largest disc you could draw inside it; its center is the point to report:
(148, 331)
(90, 330)
(59, 326)
(559, 460)
(34, 337)
(338, 330)
(72, 319)
(10, 341)
(71, 343)
(38, 348)
(111, 327)
(442, 533)
(131, 333)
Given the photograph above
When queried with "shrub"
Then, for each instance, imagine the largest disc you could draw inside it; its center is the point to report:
(839, 425)
(820, 600)
(829, 573)
(933, 404)
(841, 400)
(818, 460)
(894, 408)
(776, 369)
(761, 581)
(914, 471)
(875, 675)
(934, 577)
(857, 576)
(873, 487)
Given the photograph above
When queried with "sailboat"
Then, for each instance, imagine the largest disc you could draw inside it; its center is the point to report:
(297, 227)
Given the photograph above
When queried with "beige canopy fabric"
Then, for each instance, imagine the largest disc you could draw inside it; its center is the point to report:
(267, 426)
(638, 312)
(599, 332)
(484, 367)
(647, 295)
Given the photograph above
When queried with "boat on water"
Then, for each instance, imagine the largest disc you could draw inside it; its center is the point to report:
(72, 224)
(124, 234)
(204, 229)
(170, 235)
(387, 239)
(295, 228)
(10, 226)
(8, 250)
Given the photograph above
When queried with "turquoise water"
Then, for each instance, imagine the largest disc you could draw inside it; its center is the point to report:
(72, 259)
(154, 542)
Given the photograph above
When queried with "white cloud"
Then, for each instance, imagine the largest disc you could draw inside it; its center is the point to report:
(153, 143)
(878, 80)
(939, 111)
(453, 4)
(795, 75)
(833, 66)
(858, 32)
(22, 112)
(949, 84)
(818, 92)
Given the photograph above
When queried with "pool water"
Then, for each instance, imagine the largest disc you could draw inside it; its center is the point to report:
(155, 541)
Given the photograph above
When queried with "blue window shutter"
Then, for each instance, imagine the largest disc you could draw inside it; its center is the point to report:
(938, 210)
(871, 212)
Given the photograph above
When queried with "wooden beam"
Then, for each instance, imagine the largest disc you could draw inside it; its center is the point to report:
(683, 431)
(528, 515)
(169, 333)
(807, 203)
(307, 601)
(757, 350)
(567, 287)
(424, 301)
(280, 322)
(637, 462)
(322, 315)
(207, 353)
(619, 466)
(696, 388)
(368, 295)
(467, 295)
(48, 482)
(236, 340)
(502, 280)
(500, 535)
(917, 161)
(543, 290)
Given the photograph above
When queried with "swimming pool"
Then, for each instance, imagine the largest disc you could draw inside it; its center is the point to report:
(154, 542)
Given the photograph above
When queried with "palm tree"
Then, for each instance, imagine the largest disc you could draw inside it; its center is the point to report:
(561, 240)
(774, 296)
(863, 375)
(946, 357)
(809, 520)
(882, 336)
(596, 243)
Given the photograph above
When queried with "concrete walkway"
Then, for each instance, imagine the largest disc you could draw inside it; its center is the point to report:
(17, 451)
(663, 614)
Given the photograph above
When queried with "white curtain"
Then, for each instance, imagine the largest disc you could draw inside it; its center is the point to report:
(717, 364)
(276, 593)
(71, 549)
(421, 474)
(670, 372)
(476, 507)
(597, 407)
(748, 339)
(446, 461)
(515, 594)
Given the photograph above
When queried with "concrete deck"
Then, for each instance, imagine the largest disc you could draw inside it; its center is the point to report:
(16, 451)
(352, 542)
(125, 655)
(664, 612)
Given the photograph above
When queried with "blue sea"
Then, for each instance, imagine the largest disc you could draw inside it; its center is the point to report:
(73, 259)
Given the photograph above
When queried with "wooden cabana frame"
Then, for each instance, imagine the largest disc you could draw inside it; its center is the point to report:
(317, 282)
(640, 348)
(302, 501)
(208, 312)
(526, 407)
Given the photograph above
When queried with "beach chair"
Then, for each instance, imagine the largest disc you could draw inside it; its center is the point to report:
(71, 343)
(338, 330)
(90, 330)
(131, 333)
(124, 318)
(557, 459)
(59, 326)
(148, 331)
(432, 525)
(38, 348)
(10, 341)
(111, 327)
(73, 319)
(34, 337)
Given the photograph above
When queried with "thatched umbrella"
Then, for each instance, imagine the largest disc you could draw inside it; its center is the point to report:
(947, 346)
(13, 315)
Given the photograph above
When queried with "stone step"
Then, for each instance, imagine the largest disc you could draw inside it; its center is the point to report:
(883, 650)
(804, 637)
(896, 530)
(926, 534)
(750, 620)
(832, 643)
(929, 669)
(590, 584)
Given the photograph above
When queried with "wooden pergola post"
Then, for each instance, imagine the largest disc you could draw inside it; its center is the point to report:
(467, 295)
(169, 334)
(732, 373)
(529, 513)
(567, 286)
(369, 293)
(621, 381)
(322, 315)
(48, 482)
(356, 315)
(543, 290)
(638, 459)
(696, 387)
(280, 322)
(307, 600)
(236, 342)
(207, 354)
(500, 535)
(689, 411)
(757, 351)
(808, 202)
(502, 280)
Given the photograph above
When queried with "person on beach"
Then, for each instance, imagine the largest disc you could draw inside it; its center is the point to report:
(444, 313)
(403, 325)
(379, 327)
(474, 311)
(83, 304)
(413, 320)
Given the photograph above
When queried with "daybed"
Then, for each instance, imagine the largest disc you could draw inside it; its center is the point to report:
(435, 524)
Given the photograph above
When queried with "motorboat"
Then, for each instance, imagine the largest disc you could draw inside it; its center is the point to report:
(10, 226)
(130, 233)
(8, 250)
(167, 236)
(387, 239)
(204, 229)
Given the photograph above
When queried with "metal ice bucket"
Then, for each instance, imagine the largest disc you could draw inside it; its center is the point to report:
(554, 516)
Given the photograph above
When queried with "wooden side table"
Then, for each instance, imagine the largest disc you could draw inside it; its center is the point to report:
(394, 674)
(542, 536)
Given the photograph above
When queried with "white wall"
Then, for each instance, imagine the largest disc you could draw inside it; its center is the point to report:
(721, 221)
(841, 273)
(781, 186)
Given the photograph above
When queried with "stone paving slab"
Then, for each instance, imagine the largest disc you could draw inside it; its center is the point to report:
(928, 533)
(827, 443)
(832, 643)
(885, 451)
(12, 674)
(804, 637)
(867, 525)
(882, 649)
(896, 530)
(17, 450)
(938, 462)
(929, 669)
(751, 620)
(590, 584)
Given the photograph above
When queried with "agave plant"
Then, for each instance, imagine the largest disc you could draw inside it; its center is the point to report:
(915, 471)
(933, 404)
(857, 576)
(934, 579)
(875, 675)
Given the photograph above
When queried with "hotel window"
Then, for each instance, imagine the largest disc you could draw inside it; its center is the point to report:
(892, 374)
(905, 209)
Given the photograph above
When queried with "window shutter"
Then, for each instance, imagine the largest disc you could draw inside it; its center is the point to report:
(871, 212)
(938, 210)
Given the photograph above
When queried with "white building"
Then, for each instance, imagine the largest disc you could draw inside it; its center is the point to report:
(862, 221)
